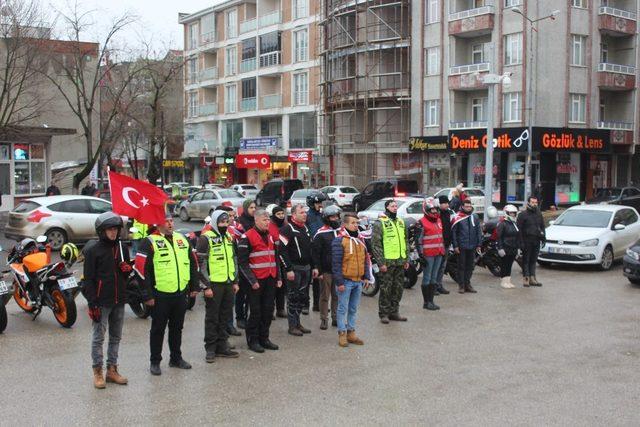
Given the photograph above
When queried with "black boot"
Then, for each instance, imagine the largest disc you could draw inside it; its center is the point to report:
(430, 292)
(425, 296)
(442, 290)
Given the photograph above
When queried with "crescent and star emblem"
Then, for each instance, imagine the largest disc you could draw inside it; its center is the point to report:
(127, 197)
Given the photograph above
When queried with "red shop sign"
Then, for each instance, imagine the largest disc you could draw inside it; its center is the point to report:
(300, 156)
(253, 161)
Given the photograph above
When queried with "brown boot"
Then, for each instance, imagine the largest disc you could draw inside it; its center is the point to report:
(342, 339)
(114, 377)
(352, 338)
(533, 281)
(98, 378)
(525, 281)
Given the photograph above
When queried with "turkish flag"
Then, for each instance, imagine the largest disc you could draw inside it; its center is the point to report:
(137, 199)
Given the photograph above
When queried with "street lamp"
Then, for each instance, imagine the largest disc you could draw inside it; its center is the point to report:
(491, 80)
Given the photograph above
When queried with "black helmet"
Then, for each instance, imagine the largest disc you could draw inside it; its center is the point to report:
(330, 210)
(107, 220)
(315, 197)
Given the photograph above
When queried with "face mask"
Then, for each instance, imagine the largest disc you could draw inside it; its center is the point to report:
(391, 215)
(334, 224)
(222, 230)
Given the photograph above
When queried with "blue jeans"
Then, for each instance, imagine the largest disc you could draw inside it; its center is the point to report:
(348, 302)
(431, 270)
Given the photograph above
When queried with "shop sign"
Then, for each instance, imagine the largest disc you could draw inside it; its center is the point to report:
(428, 143)
(406, 164)
(300, 156)
(253, 161)
(257, 143)
(206, 160)
(571, 140)
(166, 163)
(229, 160)
(504, 139)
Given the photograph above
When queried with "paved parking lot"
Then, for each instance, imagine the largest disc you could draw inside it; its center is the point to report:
(565, 354)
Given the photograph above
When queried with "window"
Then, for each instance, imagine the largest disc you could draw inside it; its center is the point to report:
(415, 208)
(513, 49)
(579, 3)
(231, 28)
(477, 53)
(29, 167)
(270, 47)
(300, 8)
(197, 197)
(300, 45)
(231, 133)
(578, 45)
(192, 70)
(602, 110)
(433, 61)
(577, 108)
(248, 88)
(604, 52)
(230, 101)
(193, 36)
(302, 130)
(478, 109)
(272, 126)
(193, 104)
(208, 23)
(230, 61)
(511, 3)
(431, 113)
(99, 207)
(300, 89)
(431, 10)
(511, 107)
(249, 48)
(71, 206)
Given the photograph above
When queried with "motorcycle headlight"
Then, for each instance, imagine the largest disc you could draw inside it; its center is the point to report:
(591, 242)
(633, 254)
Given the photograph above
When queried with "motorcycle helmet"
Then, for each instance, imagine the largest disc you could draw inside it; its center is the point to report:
(315, 197)
(492, 212)
(69, 253)
(428, 204)
(510, 212)
(108, 220)
(26, 247)
(330, 211)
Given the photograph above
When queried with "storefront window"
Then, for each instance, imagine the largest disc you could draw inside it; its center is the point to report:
(516, 177)
(476, 174)
(30, 171)
(37, 177)
(439, 169)
(568, 178)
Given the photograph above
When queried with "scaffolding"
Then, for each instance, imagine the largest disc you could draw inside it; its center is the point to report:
(365, 86)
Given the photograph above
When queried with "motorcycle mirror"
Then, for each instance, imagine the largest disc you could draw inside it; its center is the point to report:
(133, 230)
(207, 220)
(41, 239)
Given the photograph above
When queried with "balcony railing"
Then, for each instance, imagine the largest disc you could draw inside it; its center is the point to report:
(209, 73)
(210, 109)
(248, 25)
(230, 106)
(615, 125)
(248, 104)
(272, 101)
(468, 125)
(469, 68)
(300, 98)
(208, 37)
(270, 59)
(616, 68)
(247, 65)
(272, 18)
(470, 13)
(619, 13)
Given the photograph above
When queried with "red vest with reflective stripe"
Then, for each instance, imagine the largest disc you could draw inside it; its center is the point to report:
(262, 259)
(432, 241)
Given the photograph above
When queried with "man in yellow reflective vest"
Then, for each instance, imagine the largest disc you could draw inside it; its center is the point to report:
(142, 230)
(389, 246)
(169, 269)
(219, 272)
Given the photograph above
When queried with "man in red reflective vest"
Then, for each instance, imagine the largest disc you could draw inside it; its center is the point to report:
(258, 263)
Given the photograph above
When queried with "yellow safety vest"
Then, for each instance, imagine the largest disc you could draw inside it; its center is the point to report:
(143, 230)
(222, 267)
(394, 240)
(171, 262)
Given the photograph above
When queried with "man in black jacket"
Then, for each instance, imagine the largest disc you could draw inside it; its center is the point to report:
(532, 233)
(105, 287)
(245, 221)
(322, 260)
(445, 217)
(295, 256)
(466, 237)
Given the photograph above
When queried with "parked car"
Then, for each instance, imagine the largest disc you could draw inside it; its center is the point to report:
(380, 189)
(631, 263)
(210, 186)
(61, 218)
(104, 194)
(591, 234)
(475, 194)
(340, 194)
(277, 191)
(202, 204)
(249, 191)
(408, 207)
(299, 197)
(626, 196)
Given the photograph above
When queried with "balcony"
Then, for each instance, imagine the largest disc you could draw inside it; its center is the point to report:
(468, 76)
(612, 125)
(472, 22)
(248, 104)
(616, 77)
(271, 101)
(272, 18)
(210, 109)
(247, 65)
(208, 37)
(617, 22)
(468, 125)
(269, 59)
(248, 25)
(209, 74)
(469, 68)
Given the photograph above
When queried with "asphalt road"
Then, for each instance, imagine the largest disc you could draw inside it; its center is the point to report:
(564, 354)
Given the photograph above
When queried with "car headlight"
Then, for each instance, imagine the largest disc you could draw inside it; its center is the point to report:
(591, 242)
(633, 254)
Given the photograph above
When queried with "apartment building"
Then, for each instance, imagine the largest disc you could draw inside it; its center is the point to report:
(573, 94)
(251, 90)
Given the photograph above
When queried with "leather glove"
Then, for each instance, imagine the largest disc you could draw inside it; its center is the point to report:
(125, 267)
(94, 313)
(502, 253)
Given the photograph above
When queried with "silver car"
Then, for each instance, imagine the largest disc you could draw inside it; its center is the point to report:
(61, 218)
(202, 204)
(249, 191)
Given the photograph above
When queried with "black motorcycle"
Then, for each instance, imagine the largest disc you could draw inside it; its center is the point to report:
(5, 295)
(134, 296)
(487, 257)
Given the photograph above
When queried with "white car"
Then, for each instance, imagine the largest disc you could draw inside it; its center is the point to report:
(249, 191)
(408, 207)
(591, 234)
(299, 197)
(475, 194)
(341, 195)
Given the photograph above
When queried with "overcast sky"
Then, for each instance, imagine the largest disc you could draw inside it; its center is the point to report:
(158, 17)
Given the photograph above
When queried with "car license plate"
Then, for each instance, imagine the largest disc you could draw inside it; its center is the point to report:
(4, 288)
(565, 251)
(67, 283)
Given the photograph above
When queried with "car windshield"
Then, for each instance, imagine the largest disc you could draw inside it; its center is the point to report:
(379, 205)
(348, 190)
(607, 193)
(225, 194)
(301, 194)
(584, 218)
(474, 192)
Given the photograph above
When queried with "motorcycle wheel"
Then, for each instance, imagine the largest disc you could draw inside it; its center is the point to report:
(371, 290)
(64, 309)
(191, 301)
(495, 268)
(140, 309)
(410, 277)
(3, 317)
(21, 299)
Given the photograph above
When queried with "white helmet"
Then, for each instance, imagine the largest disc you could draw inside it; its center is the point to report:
(270, 209)
(492, 212)
(510, 209)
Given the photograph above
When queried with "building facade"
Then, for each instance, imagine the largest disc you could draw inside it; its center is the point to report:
(573, 94)
(252, 91)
